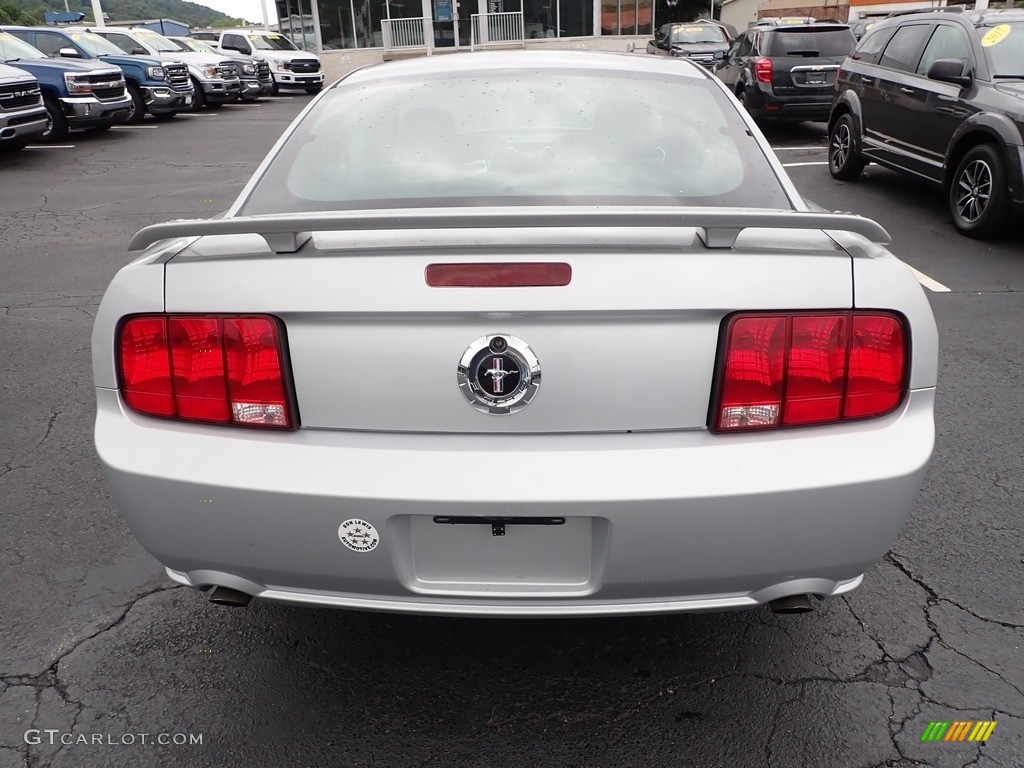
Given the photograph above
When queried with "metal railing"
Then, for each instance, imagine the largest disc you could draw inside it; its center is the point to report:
(416, 34)
(487, 29)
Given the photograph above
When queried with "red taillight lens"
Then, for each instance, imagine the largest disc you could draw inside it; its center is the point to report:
(809, 368)
(146, 366)
(763, 70)
(536, 274)
(211, 369)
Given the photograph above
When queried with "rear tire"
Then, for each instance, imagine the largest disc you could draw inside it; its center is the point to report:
(56, 122)
(844, 159)
(979, 196)
(138, 109)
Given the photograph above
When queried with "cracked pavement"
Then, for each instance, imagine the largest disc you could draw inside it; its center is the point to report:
(94, 640)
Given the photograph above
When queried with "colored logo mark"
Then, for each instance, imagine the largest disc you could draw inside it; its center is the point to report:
(959, 730)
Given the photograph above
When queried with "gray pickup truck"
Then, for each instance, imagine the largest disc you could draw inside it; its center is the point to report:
(22, 114)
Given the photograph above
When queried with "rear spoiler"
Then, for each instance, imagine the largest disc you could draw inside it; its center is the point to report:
(716, 227)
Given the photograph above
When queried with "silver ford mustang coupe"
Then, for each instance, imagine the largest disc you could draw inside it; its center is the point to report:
(517, 334)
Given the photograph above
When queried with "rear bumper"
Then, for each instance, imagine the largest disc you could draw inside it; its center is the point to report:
(797, 107)
(683, 521)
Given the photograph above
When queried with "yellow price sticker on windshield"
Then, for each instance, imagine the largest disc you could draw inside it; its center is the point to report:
(996, 35)
(694, 29)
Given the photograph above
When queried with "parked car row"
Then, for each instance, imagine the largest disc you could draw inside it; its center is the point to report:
(58, 79)
(935, 95)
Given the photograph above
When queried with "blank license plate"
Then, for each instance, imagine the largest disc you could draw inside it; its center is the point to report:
(816, 78)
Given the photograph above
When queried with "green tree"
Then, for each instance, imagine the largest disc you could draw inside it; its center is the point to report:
(13, 14)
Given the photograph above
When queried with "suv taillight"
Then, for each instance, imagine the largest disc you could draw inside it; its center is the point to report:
(790, 369)
(763, 70)
(215, 369)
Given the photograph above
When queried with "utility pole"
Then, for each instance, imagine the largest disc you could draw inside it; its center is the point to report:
(97, 12)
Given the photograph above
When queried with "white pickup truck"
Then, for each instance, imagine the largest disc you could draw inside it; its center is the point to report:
(290, 67)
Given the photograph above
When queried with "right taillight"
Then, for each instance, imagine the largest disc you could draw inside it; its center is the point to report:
(215, 369)
(763, 70)
(792, 369)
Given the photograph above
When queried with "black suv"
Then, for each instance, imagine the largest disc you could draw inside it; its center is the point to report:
(700, 41)
(787, 71)
(939, 96)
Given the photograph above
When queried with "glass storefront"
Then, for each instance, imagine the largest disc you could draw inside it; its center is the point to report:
(356, 23)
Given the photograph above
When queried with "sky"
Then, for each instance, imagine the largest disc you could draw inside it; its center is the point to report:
(242, 9)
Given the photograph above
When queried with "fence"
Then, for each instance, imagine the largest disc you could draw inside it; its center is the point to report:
(489, 29)
(416, 34)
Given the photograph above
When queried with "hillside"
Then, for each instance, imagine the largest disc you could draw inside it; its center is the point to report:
(193, 14)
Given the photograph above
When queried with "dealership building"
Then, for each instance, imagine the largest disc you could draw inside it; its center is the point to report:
(427, 25)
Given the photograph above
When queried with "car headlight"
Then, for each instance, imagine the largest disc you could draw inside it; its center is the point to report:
(76, 86)
(284, 66)
(155, 73)
(249, 69)
(210, 72)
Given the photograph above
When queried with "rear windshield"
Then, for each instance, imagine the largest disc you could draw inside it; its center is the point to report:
(520, 138)
(811, 42)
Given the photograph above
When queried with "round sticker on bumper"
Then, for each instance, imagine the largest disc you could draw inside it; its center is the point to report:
(358, 535)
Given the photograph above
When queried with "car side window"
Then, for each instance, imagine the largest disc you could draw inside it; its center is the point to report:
(663, 34)
(236, 41)
(50, 44)
(123, 42)
(904, 48)
(871, 45)
(746, 45)
(947, 42)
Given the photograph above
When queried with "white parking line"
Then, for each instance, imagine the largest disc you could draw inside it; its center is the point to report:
(797, 165)
(197, 114)
(799, 149)
(51, 146)
(929, 283)
(132, 127)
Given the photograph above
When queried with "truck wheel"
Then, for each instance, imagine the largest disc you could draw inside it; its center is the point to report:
(315, 89)
(56, 123)
(274, 89)
(198, 98)
(138, 108)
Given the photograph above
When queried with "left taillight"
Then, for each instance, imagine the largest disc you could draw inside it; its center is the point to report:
(213, 369)
(794, 369)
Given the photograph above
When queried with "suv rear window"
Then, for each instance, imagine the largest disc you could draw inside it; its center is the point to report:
(810, 42)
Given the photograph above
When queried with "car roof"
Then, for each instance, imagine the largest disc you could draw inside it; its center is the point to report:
(560, 60)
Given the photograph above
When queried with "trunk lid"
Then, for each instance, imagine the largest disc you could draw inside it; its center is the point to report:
(629, 344)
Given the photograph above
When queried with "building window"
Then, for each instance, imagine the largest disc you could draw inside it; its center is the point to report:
(627, 17)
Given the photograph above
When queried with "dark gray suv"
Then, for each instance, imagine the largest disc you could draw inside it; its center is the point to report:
(939, 96)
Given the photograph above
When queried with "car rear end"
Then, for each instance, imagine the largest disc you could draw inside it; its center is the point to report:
(795, 77)
(722, 406)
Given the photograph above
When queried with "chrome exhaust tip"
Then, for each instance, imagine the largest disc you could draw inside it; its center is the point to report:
(230, 597)
(792, 604)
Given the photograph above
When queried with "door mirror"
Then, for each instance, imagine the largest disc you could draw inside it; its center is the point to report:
(69, 53)
(139, 51)
(951, 71)
(719, 55)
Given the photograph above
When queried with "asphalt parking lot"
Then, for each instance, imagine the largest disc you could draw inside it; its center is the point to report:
(99, 649)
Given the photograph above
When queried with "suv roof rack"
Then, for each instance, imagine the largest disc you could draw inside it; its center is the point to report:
(939, 9)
